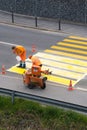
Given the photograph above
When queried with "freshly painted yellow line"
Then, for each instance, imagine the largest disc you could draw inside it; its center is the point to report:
(67, 54)
(19, 70)
(60, 80)
(65, 73)
(16, 69)
(57, 79)
(75, 41)
(52, 78)
(59, 65)
(61, 59)
(64, 66)
(69, 49)
(77, 37)
(72, 45)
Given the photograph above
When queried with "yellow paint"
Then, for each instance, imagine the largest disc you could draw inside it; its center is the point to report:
(67, 54)
(69, 50)
(60, 65)
(60, 80)
(63, 65)
(65, 73)
(16, 69)
(55, 71)
(75, 41)
(79, 38)
(72, 45)
(58, 58)
(52, 78)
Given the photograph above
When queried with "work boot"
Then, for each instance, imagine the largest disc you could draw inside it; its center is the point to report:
(23, 65)
(20, 65)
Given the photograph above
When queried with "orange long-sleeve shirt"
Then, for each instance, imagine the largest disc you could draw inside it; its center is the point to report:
(20, 51)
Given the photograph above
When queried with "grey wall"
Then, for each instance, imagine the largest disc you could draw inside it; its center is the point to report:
(71, 10)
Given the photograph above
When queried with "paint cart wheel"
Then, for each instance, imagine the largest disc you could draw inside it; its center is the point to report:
(44, 82)
(44, 85)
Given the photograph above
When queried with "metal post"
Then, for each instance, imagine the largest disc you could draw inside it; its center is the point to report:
(59, 21)
(35, 13)
(35, 21)
(12, 17)
(59, 24)
(13, 93)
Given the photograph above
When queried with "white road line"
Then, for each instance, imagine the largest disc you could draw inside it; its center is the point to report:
(7, 43)
(80, 79)
(82, 89)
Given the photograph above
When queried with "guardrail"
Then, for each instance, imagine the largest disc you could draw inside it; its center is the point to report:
(45, 100)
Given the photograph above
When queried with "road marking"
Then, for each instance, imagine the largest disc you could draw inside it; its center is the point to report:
(61, 59)
(55, 71)
(73, 45)
(65, 65)
(69, 50)
(62, 66)
(78, 38)
(6, 43)
(82, 89)
(66, 54)
(16, 69)
(75, 41)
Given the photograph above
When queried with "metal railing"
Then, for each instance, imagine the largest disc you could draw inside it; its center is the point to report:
(30, 21)
(45, 100)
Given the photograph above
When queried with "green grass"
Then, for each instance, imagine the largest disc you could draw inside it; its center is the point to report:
(29, 115)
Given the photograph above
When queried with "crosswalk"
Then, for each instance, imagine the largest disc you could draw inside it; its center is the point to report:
(67, 60)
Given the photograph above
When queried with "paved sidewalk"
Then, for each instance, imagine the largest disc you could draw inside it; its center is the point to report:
(44, 24)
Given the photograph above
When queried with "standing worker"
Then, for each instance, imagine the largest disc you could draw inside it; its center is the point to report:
(35, 60)
(21, 52)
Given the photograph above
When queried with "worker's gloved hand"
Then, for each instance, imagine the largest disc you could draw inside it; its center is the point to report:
(18, 58)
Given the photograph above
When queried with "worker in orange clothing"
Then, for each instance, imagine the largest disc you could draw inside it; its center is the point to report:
(35, 60)
(21, 52)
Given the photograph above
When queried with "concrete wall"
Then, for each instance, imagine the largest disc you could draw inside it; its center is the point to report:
(71, 10)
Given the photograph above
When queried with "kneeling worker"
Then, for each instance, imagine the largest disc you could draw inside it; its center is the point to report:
(35, 60)
(21, 52)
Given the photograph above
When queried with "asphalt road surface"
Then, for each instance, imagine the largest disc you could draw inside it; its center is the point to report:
(9, 36)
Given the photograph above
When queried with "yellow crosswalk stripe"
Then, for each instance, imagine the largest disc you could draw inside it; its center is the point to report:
(66, 54)
(72, 45)
(51, 78)
(65, 73)
(60, 80)
(16, 69)
(53, 66)
(63, 66)
(78, 37)
(69, 49)
(75, 41)
(58, 58)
